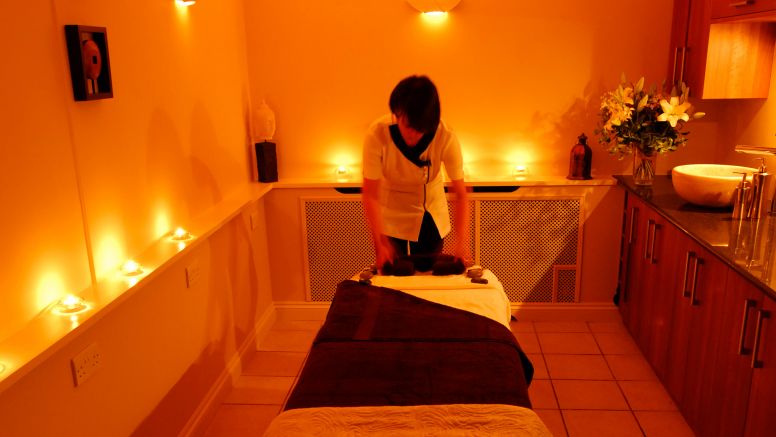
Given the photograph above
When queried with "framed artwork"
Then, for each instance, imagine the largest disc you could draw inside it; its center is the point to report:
(87, 51)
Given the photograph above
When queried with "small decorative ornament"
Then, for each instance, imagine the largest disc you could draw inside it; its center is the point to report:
(263, 123)
(581, 160)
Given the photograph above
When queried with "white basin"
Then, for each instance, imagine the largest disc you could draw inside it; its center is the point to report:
(708, 184)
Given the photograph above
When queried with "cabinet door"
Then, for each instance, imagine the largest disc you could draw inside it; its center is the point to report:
(725, 394)
(734, 8)
(662, 286)
(694, 330)
(689, 44)
(761, 415)
(631, 274)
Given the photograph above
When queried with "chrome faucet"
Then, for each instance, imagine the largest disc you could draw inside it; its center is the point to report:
(759, 200)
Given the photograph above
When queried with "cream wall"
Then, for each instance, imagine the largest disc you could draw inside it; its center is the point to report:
(519, 81)
(90, 184)
(86, 185)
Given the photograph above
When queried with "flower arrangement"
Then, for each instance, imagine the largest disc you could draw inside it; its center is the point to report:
(648, 120)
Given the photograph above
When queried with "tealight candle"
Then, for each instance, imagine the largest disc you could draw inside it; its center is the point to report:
(181, 234)
(131, 268)
(70, 305)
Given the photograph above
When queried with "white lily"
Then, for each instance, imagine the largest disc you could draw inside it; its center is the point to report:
(674, 111)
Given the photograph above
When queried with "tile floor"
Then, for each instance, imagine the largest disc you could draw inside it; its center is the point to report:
(590, 380)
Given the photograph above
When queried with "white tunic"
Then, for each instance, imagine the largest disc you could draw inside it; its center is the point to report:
(406, 190)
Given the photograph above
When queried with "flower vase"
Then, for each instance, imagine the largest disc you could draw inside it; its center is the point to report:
(643, 168)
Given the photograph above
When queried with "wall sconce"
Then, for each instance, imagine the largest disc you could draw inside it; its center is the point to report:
(342, 173)
(70, 305)
(434, 6)
(131, 268)
(185, 2)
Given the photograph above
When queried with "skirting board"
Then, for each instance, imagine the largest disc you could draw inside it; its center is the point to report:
(533, 312)
(202, 416)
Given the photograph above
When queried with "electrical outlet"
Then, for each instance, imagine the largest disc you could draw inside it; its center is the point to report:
(192, 274)
(85, 364)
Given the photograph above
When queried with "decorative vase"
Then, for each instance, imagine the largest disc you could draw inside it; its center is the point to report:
(643, 167)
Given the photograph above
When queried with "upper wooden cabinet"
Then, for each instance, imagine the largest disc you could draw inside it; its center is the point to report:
(689, 42)
(723, 56)
(735, 8)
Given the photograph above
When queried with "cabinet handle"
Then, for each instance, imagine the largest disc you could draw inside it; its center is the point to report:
(650, 223)
(673, 71)
(748, 303)
(681, 70)
(655, 228)
(685, 292)
(694, 288)
(634, 211)
(761, 314)
(739, 4)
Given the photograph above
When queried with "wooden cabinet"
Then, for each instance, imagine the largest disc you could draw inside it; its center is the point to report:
(727, 390)
(723, 49)
(736, 8)
(761, 417)
(689, 44)
(649, 266)
(708, 332)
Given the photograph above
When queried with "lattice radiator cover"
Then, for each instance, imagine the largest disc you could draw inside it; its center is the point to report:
(532, 245)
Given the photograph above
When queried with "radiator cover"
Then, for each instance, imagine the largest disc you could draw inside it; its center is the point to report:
(533, 245)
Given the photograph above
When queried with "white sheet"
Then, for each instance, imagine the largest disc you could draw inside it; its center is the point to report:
(457, 291)
(422, 420)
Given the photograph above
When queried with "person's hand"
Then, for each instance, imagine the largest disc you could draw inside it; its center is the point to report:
(462, 252)
(385, 252)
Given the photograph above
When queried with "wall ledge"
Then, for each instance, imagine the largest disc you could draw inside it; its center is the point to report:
(47, 332)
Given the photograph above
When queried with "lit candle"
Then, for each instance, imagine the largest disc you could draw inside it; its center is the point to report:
(131, 268)
(70, 305)
(342, 173)
(180, 234)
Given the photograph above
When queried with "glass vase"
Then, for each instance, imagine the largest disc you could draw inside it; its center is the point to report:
(643, 168)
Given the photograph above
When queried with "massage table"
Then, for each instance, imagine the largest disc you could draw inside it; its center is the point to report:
(415, 355)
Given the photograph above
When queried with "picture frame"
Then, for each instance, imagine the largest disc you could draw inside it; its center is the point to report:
(87, 51)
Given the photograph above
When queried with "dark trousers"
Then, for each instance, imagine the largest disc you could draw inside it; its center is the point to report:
(429, 242)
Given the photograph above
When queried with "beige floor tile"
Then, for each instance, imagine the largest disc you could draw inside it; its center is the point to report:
(242, 420)
(297, 325)
(541, 394)
(567, 343)
(568, 366)
(540, 369)
(630, 367)
(268, 363)
(521, 326)
(266, 390)
(585, 423)
(607, 327)
(288, 341)
(528, 342)
(553, 420)
(647, 395)
(561, 327)
(616, 343)
(663, 424)
(589, 395)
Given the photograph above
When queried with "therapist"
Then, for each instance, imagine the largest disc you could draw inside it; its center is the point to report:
(403, 190)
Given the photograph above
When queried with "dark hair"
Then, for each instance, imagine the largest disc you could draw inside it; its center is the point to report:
(416, 98)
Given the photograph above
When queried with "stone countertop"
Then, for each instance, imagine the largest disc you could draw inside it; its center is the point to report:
(746, 246)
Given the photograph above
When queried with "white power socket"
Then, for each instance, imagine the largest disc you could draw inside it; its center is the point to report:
(85, 364)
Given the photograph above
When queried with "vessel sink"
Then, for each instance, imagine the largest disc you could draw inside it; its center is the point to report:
(708, 184)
